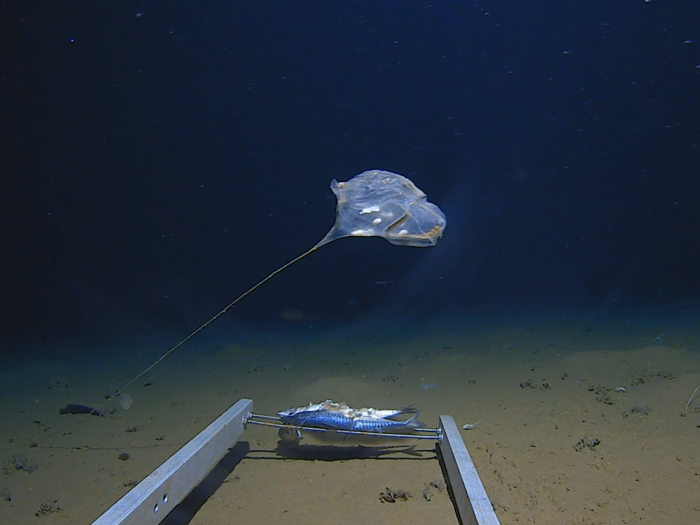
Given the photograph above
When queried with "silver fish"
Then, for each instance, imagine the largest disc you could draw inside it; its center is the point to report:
(384, 413)
(344, 409)
(368, 424)
(339, 416)
(329, 419)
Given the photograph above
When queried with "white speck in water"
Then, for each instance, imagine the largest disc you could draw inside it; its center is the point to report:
(125, 401)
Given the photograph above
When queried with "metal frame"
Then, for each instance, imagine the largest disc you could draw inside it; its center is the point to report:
(167, 486)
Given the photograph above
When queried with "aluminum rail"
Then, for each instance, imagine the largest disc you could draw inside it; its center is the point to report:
(473, 504)
(150, 501)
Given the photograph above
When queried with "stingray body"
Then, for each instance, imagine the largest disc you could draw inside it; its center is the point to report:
(375, 203)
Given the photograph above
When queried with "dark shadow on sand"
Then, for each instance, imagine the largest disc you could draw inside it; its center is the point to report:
(185, 511)
(338, 452)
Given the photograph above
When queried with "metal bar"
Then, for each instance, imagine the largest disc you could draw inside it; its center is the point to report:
(435, 431)
(261, 416)
(472, 502)
(150, 501)
(253, 417)
(348, 432)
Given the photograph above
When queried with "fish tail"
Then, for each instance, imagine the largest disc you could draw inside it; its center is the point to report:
(413, 422)
(410, 409)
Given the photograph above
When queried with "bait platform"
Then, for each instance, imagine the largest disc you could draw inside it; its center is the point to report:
(160, 492)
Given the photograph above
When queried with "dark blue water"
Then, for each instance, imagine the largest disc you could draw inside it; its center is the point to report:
(160, 158)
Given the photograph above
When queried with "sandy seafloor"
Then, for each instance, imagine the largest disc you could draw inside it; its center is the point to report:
(580, 419)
